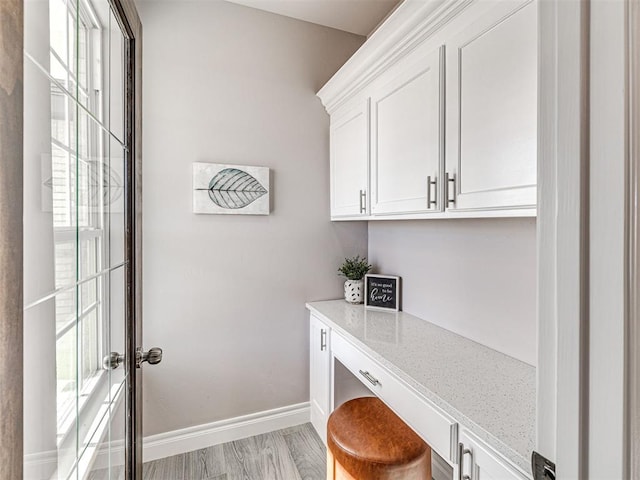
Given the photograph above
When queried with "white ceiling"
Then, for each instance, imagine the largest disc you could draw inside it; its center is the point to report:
(355, 16)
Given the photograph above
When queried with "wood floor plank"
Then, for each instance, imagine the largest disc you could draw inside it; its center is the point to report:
(170, 468)
(293, 429)
(235, 454)
(294, 453)
(263, 457)
(307, 451)
(217, 477)
(205, 464)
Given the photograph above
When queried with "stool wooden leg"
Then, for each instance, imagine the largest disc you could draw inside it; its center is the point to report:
(342, 474)
(335, 470)
(428, 473)
(330, 466)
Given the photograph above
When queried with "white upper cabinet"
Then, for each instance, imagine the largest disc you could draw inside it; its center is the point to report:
(349, 138)
(406, 125)
(451, 91)
(492, 110)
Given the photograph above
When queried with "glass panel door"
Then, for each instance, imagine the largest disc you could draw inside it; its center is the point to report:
(75, 269)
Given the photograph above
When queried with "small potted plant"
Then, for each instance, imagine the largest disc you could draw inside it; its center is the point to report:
(354, 269)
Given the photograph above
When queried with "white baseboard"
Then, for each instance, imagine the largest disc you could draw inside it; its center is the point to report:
(440, 469)
(202, 436)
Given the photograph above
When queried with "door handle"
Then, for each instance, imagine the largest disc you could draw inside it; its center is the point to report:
(112, 361)
(153, 356)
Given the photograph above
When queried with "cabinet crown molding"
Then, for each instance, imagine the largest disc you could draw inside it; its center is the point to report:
(408, 26)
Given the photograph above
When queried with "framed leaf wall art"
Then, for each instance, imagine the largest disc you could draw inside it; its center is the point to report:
(230, 189)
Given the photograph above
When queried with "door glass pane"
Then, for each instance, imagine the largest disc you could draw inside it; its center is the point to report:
(109, 464)
(58, 28)
(114, 201)
(66, 375)
(116, 79)
(117, 434)
(50, 38)
(49, 394)
(74, 234)
(63, 114)
(39, 181)
(91, 190)
(92, 67)
(116, 339)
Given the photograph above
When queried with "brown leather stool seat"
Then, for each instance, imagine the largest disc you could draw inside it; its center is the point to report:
(367, 441)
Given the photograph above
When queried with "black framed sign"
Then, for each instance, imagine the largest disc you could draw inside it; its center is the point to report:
(382, 292)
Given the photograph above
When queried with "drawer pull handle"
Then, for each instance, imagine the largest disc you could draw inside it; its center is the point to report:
(323, 340)
(461, 453)
(373, 380)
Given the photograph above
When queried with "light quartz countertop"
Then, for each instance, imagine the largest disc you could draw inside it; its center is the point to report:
(489, 393)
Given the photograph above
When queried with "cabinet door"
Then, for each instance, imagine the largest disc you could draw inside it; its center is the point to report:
(492, 110)
(349, 161)
(406, 121)
(481, 462)
(319, 375)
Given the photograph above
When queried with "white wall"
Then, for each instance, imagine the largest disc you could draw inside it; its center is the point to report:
(473, 277)
(224, 295)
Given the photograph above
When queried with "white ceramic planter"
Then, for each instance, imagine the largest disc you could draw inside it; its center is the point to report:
(353, 291)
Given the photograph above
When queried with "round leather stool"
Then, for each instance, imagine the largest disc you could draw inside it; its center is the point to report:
(367, 441)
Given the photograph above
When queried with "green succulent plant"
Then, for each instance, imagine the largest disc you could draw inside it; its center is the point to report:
(354, 268)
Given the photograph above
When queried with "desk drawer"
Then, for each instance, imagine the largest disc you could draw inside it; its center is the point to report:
(434, 426)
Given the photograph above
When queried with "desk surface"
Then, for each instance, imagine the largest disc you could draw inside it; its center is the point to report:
(489, 393)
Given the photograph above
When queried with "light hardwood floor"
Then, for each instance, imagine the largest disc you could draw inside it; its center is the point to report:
(295, 453)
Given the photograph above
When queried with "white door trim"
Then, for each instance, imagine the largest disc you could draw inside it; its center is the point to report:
(563, 209)
(632, 214)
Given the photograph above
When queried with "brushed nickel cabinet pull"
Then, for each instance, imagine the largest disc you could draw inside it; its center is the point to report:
(323, 340)
(433, 182)
(373, 380)
(363, 201)
(461, 453)
(451, 182)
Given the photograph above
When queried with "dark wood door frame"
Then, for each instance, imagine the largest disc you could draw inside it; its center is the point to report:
(127, 16)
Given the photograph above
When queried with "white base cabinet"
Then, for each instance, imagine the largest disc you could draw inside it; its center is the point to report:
(333, 355)
(319, 375)
(479, 461)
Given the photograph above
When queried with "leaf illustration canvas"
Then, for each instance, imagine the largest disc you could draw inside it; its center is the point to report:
(230, 189)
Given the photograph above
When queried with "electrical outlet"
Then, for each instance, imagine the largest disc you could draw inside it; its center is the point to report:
(543, 469)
